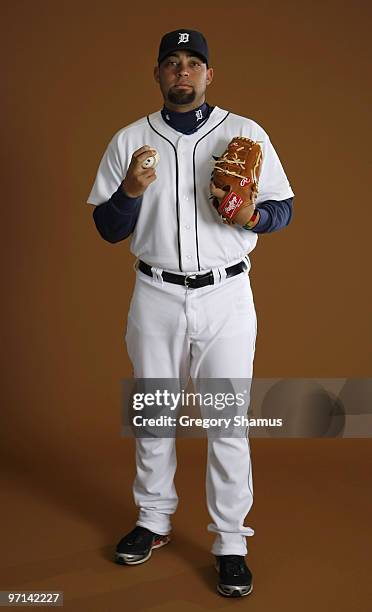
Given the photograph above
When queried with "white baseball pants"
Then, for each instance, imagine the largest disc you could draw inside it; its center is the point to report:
(209, 332)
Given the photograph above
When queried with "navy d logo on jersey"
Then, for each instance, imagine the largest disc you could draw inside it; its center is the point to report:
(183, 37)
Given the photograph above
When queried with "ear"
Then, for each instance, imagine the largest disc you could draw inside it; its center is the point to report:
(156, 74)
(209, 75)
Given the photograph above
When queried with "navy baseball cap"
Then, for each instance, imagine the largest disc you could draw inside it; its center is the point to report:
(184, 39)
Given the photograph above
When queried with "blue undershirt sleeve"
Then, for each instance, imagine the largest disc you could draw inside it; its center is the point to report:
(274, 215)
(116, 219)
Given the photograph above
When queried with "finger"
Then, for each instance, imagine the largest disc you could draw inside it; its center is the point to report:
(141, 150)
(137, 168)
(150, 174)
(151, 179)
(144, 155)
(216, 191)
(212, 188)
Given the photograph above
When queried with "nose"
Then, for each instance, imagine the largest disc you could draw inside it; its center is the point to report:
(182, 70)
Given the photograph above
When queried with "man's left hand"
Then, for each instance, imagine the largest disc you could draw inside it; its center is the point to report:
(239, 219)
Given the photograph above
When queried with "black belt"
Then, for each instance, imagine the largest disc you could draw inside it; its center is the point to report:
(194, 281)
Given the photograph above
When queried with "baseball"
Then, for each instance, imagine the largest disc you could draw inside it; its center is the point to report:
(152, 161)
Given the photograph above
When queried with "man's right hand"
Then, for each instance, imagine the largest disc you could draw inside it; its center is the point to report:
(137, 178)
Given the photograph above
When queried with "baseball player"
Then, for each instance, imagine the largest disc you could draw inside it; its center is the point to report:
(192, 311)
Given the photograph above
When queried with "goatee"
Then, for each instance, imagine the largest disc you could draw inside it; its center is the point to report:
(181, 97)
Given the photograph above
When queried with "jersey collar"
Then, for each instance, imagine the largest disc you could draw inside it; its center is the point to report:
(158, 124)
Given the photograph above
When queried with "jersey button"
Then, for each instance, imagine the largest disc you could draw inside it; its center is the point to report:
(188, 256)
(187, 226)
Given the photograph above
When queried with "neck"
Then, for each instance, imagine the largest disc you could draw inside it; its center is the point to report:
(184, 108)
(188, 121)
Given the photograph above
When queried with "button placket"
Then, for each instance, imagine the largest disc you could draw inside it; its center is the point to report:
(186, 210)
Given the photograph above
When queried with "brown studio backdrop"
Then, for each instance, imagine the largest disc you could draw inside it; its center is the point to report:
(76, 72)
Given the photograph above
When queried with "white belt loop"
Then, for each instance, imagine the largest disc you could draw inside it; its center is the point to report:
(222, 273)
(135, 265)
(156, 274)
(216, 275)
(247, 262)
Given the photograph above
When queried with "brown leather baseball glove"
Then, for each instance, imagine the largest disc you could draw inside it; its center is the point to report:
(234, 185)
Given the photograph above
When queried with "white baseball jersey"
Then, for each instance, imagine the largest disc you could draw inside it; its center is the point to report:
(178, 229)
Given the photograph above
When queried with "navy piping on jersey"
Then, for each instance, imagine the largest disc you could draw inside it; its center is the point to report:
(193, 172)
(177, 198)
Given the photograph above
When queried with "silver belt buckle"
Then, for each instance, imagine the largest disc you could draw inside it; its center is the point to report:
(187, 276)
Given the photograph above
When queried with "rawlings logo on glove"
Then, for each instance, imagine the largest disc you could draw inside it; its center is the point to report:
(232, 204)
(234, 185)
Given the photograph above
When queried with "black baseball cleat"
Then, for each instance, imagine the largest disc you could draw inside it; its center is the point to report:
(136, 547)
(235, 578)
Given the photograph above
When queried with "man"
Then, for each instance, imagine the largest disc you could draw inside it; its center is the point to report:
(192, 310)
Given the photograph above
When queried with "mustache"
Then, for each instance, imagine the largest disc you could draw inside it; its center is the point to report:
(181, 84)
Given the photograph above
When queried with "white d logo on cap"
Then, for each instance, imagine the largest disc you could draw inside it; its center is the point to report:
(183, 37)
